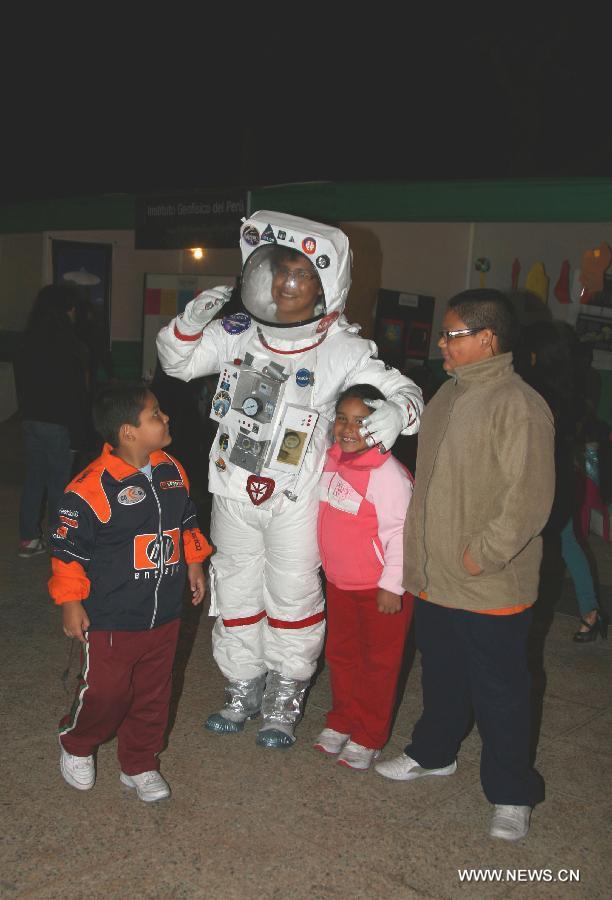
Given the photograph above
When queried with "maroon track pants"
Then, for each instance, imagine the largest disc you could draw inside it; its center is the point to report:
(124, 689)
(364, 653)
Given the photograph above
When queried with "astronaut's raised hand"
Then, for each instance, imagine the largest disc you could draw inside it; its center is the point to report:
(384, 424)
(205, 307)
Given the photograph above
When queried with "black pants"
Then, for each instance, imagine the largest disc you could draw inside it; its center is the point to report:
(476, 664)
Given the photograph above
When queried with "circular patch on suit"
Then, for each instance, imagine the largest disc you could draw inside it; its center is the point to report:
(322, 262)
(131, 495)
(250, 235)
(309, 245)
(304, 377)
(236, 323)
(221, 403)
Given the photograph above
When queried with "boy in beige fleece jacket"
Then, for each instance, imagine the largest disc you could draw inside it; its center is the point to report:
(483, 492)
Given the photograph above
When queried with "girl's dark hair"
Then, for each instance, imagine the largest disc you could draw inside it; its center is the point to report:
(117, 405)
(362, 391)
(51, 307)
(484, 308)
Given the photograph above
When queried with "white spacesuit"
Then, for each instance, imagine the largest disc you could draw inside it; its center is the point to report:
(282, 364)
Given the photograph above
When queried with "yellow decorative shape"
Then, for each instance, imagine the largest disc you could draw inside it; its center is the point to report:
(167, 306)
(537, 281)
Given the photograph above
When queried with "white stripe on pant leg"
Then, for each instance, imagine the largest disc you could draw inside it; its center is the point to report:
(78, 701)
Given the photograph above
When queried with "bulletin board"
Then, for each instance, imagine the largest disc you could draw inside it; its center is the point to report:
(403, 327)
(165, 296)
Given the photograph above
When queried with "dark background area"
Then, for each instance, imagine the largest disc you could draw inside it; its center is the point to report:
(457, 96)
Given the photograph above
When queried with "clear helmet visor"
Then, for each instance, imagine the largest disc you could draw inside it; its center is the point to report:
(281, 287)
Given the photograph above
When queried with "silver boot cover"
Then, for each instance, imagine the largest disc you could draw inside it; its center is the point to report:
(281, 709)
(242, 702)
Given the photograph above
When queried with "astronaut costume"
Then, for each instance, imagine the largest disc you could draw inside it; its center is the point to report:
(275, 402)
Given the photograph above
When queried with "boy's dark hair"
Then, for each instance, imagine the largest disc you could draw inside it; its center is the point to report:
(362, 391)
(117, 405)
(484, 308)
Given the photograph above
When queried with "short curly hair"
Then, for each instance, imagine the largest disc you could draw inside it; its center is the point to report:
(485, 308)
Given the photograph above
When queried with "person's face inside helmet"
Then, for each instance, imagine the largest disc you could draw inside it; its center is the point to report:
(296, 288)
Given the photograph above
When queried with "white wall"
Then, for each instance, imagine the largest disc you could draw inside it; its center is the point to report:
(531, 242)
(20, 278)
(413, 257)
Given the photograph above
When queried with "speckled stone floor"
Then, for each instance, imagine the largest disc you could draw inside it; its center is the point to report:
(245, 822)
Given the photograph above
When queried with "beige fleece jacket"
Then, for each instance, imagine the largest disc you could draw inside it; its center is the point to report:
(485, 481)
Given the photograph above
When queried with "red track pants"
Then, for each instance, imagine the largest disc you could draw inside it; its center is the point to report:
(124, 689)
(364, 652)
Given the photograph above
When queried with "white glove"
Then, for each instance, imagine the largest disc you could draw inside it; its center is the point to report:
(384, 424)
(204, 307)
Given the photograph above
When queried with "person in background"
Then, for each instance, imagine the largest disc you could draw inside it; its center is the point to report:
(51, 381)
(553, 369)
(364, 494)
(484, 486)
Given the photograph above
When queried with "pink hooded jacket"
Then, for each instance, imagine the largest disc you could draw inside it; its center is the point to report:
(363, 498)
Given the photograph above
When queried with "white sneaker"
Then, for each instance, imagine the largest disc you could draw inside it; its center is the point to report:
(78, 771)
(405, 768)
(330, 741)
(150, 786)
(511, 823)
(31, 548)
(356, 756)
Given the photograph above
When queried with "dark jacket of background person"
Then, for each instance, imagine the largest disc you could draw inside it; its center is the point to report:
(484, 481)
(51, 371)
(552, 372)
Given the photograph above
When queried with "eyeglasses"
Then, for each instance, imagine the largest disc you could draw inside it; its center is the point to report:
(446, 336)
(284, 273)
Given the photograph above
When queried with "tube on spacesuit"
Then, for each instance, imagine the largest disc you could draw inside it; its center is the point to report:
(281, 287)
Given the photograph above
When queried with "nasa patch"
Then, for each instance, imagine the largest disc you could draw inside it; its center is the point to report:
(131, 495)
(304, 377)
(236, 323)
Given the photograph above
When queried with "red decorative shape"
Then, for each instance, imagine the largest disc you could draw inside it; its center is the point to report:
(562, 288)
(516, 271)
(259, 488)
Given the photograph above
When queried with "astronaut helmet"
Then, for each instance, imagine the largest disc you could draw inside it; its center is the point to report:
(295, 275)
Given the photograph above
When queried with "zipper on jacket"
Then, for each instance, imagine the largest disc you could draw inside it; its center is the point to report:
(161, 552)
(426, 560)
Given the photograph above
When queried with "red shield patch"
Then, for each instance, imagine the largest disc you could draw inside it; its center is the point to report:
(259, 489)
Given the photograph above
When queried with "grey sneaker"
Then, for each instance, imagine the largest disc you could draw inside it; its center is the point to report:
(78, 771)
(31, 548)
(356, 756)
(511, 823)
(330, 741)
(405, 768)
(150, 786)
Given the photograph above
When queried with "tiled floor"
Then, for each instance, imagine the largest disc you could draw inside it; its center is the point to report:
(245, 822)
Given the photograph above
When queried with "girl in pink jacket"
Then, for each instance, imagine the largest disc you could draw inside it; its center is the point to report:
(364, 495)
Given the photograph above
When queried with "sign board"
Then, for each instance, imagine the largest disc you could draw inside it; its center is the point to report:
(203, 219)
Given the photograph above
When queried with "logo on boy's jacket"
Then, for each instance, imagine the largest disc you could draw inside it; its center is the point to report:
(62, 532)
(147, 549)
(169, 485)
(71, 522)
(130, 495)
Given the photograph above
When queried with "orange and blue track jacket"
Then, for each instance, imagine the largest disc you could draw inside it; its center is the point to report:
(121, 543)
